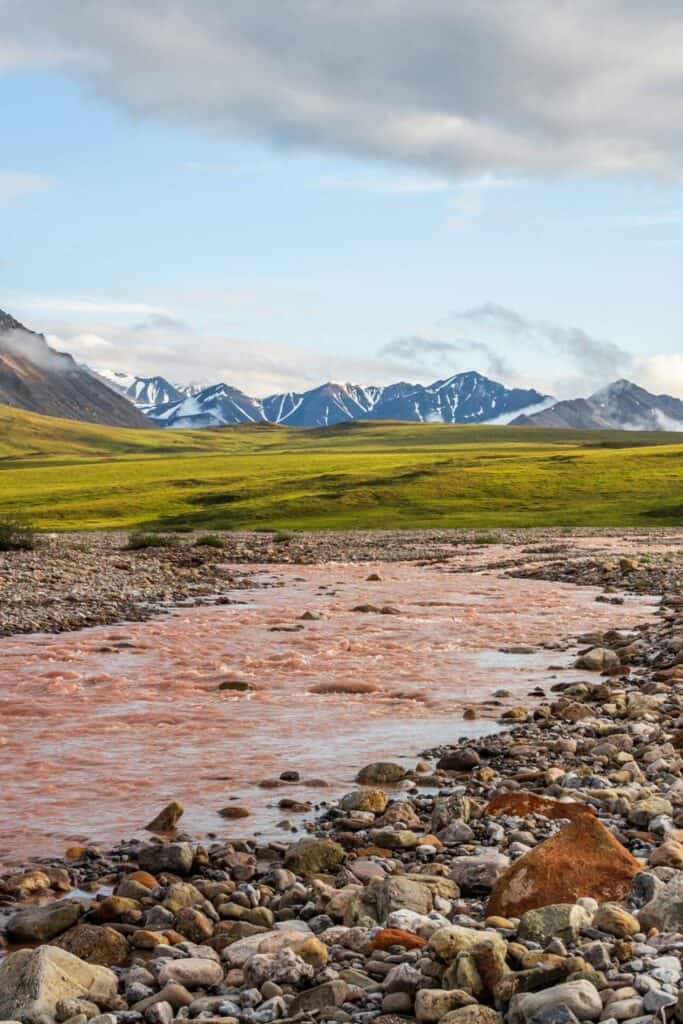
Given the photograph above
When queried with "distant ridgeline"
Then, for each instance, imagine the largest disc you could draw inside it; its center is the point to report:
(35, 377)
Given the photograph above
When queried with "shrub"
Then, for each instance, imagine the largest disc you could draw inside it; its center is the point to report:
(209, 540)
(486, 538)
(139, 540)
(15, 535)
(282, 536)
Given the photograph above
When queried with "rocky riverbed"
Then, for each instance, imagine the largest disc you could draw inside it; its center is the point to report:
(534, 875)
(75, 580)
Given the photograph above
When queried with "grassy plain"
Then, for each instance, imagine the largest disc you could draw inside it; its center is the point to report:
(60, 474)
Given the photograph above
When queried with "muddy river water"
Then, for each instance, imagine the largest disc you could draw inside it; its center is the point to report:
(100, 728)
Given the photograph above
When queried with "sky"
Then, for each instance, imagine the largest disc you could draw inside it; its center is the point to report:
(275, 193)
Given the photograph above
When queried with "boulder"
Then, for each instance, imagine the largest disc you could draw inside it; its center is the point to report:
(665, 909)
(562, 921)
(176, 858)
(643, 811)
(478, 874)
(95, 944)
(374, 800)
(397, 893)
(431, 1004)
(461, 759)
(330, 993)
(580, 997)
(314, 856)
(40, 924)
(192, 972)
(449, 942)
(598, 659)
(520, 804)
(380, 772)
(583, 859)
(33, 981)
(167, 819)
(615, 920)
(474, 1014)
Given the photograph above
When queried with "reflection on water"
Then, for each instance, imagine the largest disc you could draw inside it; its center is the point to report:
(100, 728)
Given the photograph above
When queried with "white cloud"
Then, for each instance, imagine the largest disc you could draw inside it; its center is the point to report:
(15, 185)
(458, 87)
(92, 307)
(662, 374)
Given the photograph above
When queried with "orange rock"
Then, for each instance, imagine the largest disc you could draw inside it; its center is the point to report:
(143, 878)
(396, 937)
(75, 852)
(372, 851)
(521, 803)
(583, 859)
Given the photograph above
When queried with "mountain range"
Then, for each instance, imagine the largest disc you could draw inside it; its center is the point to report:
(463, 398)
(38, 378)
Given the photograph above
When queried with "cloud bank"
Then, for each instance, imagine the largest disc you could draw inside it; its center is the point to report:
(458, 87)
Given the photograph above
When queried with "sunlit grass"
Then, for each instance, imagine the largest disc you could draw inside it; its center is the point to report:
(66, 475)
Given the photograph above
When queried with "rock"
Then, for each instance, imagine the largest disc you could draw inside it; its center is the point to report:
(449, 942)
(194, 924)
(520, 804)
(615, 920)
(234, 811)
(387, 937)
(643, 811)
(192, 972)
(331, 993)
(448, 809)
(665, 909)
(167, 819)
(583, 859)
(40, 924)
(398, 893)
(461, 759)
(598, 659)
(380, 772)
(475, 1014)
(478, 874)
(33, 981)
(176, 858)
(95, 944)
(580, 997)
(562, 921)
(669, 854)
(374, 800)
(284, 968)
(431, 1004)
(314, 856)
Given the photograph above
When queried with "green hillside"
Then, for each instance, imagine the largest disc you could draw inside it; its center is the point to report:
(66, 475)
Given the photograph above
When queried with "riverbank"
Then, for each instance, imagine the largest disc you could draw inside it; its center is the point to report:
(77, 580)
(536, 874)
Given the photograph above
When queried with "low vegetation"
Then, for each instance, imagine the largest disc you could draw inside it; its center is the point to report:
(139, 541)
(16, 535)
(66, 475)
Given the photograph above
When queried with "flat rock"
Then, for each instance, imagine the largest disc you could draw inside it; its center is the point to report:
(580, 997)
(520, 804)
(33, 981)
(42, 923)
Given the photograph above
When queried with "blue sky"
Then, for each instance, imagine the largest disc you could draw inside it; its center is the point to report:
(145, 232)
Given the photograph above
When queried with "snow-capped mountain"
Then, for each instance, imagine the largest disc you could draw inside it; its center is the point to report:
(144, 392)
(621, 405)
(463, 398)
